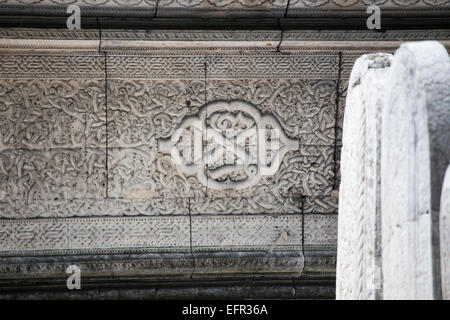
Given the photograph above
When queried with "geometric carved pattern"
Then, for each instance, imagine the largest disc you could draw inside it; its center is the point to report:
(155, 233)
(214, 233)
(304, 108)
(320, 230)
(94, 233)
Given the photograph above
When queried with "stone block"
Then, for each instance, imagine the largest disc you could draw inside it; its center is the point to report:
(115, 8)
(55, 174)
(51, 113)
(264, 202)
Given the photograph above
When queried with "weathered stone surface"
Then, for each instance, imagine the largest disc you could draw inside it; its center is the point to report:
(91, 234)
(231, 245)
(359, 244)
(88, 7)
(307, 172)
(136, 203)
(190, 40)
(150, 102)
(186, 289)
(320, 231)
(52, 174)
(52, 127)
(304, 108)
(92, 180)
(137, 262)
(220, 264)
(353, 7)
(300, 97)
(224, 8)
(267, 201)
(99, 174)
(219, 8)
(147, 102)
(258, 232)
(415, 155)
(444, 228)
(51, 113)
(319, 243)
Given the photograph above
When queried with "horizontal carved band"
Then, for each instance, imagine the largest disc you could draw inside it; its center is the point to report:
(151, 234)
(183, 41)
(215, 8)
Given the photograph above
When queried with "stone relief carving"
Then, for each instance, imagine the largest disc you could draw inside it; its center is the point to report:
(154, 233)
(273, 66)
(224, 3)
(145, 106)
(63, 168)
(304, 108)
(96, 171)
(52, 137)
(222, 8)
(94, 233)
(57, 174)
(52, 66)
(94, 3)
(364, 3)
(320, 231)
(228, 145)
(253, 231)
(141, 111)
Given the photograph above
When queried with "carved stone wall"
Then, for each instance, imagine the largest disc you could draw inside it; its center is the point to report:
(89, 164)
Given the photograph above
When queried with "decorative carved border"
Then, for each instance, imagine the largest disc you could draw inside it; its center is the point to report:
(94, 233)
(219, 8)
(153, 234)
(173, 266)
(179, 42)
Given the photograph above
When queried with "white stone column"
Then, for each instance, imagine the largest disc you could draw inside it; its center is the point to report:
(359, 235)
(444, 224)
(415, 155)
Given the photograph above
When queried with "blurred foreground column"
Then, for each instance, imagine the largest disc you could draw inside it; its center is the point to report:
(359, 234)
(396, 148)
(415, 154)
